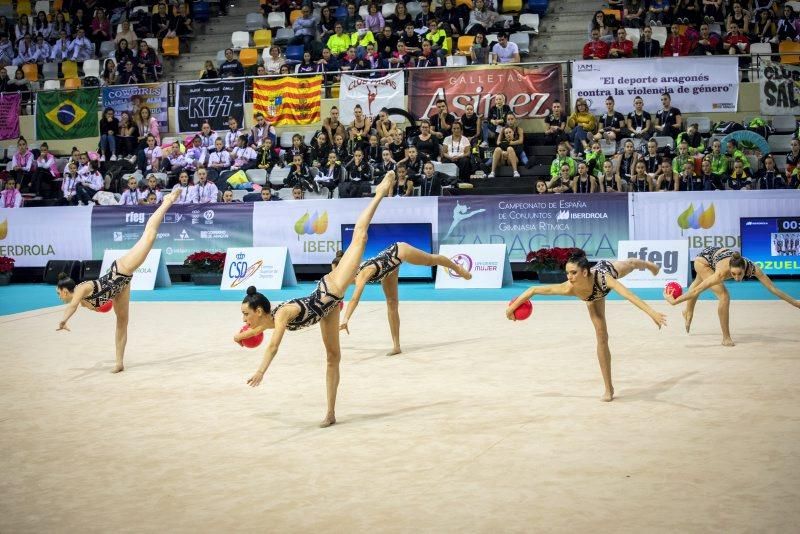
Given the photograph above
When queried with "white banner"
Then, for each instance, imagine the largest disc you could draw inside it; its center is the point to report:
(488, 265)
(697, 83)
(706, 219)
(263, 267)
(779, 90)
(312, 229)
(671, 255)
(34, 236)
(151, 274)
(373, 94)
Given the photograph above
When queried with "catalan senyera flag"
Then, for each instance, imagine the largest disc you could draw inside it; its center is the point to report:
(289, 100)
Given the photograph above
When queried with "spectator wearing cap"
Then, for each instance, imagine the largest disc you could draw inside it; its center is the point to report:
(505, 51)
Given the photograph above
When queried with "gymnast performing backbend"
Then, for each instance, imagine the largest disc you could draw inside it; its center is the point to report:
(714, 265)
(322, 306)
(113, 289)
(592, 284)
(385, 268)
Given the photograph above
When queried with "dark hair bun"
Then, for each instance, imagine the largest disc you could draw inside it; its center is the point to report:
(252, 290)
(736, 255)
(63, 276)
(578, 253)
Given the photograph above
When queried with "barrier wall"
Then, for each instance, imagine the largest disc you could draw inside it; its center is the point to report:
(311, 229)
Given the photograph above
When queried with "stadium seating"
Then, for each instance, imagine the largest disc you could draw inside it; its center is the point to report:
(240, 40)
(262, 38)
(248, 57)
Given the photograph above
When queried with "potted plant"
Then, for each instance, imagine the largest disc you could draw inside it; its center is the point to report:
(206, 267)
(6, 266)
(549, 263)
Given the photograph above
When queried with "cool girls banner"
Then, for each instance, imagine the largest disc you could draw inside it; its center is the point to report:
(525, 223)
(528, 91)
(696, 84)
(132, 98)
(187, 228)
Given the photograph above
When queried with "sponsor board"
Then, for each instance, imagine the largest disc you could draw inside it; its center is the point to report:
(151, 274)
(262, 267)
(34, 236)
(672, 256)
(487, 264)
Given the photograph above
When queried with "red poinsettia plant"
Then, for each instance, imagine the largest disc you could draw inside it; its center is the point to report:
(549, 259)
(206, 262)
(6, 264)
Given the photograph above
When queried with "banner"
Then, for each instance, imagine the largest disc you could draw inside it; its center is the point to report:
(186, 229)
(671, 255)
(311, 229)
(214, 101)
(529, 91)
(66, 114)
(524, 223)
(373, 94)
(706, 219)
(780, 89)
(289, 100)
(34, 236)
(263, 267)
(488, 265)
(151, 274)
(697, 83)
(132, 98)
(9, 115)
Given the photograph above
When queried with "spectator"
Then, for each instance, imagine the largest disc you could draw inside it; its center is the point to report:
(350, 19)
(130, 197)
(668, 119)
(397, 147)
(265, 195)
(658, 13)
(267, 156)
(561, 181)
(196, 155)
(183, 23)
(298, 193)
(7, 52)
(431, 181)
(80, 49)
(633, 13)
(153, 187)
(666, 179)
(23, 165)
(626, 162)
(608, 181)
(583, 181)
(231, 138)
(359, 128)
(765, 30)
(385, 164)
(274, 61)
(160, 22)
(100, 30)
(60, 23)
(188, 191)
(735, 154)
(174, 162)
(739, 178)
(505, 51)
(123, 52)
(506, 152)
(736, 43)
(147, 61)
(109, 74)
(562, 158)
(43, 27)
(718, 160)
(622, 47)
(400, 58)
(581, 125)
(425, 14)
(383, 126)
(127, 34)
(331, 124)
(26, 51)
(428, 58)
(300, 175)
(688, 12)
(147, 125)
(640, 182)
(711, 181)
(386, 43)
(69, 185)
(595, 158)
(339, 42)
(481, 19)
(652, 160)
(5, 81)
(58, 52)
(414, 162)
(128, 75)
(405, 186)
(261, 131)
(304, 28)
(595, 49)
(638, 122)
(22, 27)
(372, 153)
(109, 126)
(682, 157)
(787, 30)
(427, 144)
(438, 38)
(231, 67)
(677, 44)
(219, 161)
(10, 197)
(207, 136)
(693, 139)
(307, 66)
(456, 149)
(150, 156)
(43, 50)
(688, 180)
(340, 147)
(209, 71)
(612, 123)
(87, 186)
(451, 18)
(555, 124)
(769, 177)
(599, 22)
(442, 121)
(497, 118)
(299, 148)
(738, 16)
(707, 44)
(326, 24)
(648, 47)
(374, 21)
(127, 136)
(793, 157)
(206, 191)
(330, 172)
(712, 11)
(471, 124)
(46, 172)
(411, 39)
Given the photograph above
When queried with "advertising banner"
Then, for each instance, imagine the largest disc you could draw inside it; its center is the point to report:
(263, 267)
(66, 114)
(487, 264)
(671, 255)
(9, 115)
(706, 219)
(214, 101)
(696, 84)
(524, 223)
(151, 274)
(529, 91)
(780, 89)
(372, 94)
(186, 229)
(772, 243)
(132, 98)
(34, 236)
(311, 229)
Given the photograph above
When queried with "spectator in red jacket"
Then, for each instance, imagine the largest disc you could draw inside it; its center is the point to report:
(708, 44)
(735, 42)
(595, 49)
(621, 47)
(677, 44)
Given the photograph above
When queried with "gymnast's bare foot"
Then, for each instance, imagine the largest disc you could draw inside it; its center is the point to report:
(329, 420)
(727, 342)
(463, 273)
(608, 396)
(687, 320)
(173, 196)
(384, 189)
(395, 350)
(118, 368)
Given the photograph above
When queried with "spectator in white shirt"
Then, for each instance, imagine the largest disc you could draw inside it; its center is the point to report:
(188, 191)
(69, 185)
(232, 135)
(206, 191)
(261, 131)
(219, 161)
(456, 149)
(43, 50)
(207, 136)
(81, 48)
(174, 162)
(58, 52)
(90, 184)
(130, 197)
(152, 156)
(505, 51)
(46, 171)
(196, 156)
(26, 51)
(10, 197)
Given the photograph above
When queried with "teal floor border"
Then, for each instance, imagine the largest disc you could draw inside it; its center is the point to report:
(17, 298)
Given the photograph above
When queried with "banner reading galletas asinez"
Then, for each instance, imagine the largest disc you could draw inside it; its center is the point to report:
(779, 91)
(213, 101)
(372, 94)
(696, 83)
(529, 91)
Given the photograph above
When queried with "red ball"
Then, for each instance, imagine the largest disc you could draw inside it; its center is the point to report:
(341, 304)
(105, 307)
(674, 289)
(252, 342)
(523, 311)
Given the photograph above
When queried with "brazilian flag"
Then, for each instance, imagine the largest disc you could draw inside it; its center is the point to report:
(67, 114)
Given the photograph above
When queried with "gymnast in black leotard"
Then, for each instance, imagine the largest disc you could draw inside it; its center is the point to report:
(322, 306)
(113, 288)
(384, 268)
(713, 266)
(593, 284)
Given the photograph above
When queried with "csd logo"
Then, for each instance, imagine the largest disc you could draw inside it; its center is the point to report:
(240, 271)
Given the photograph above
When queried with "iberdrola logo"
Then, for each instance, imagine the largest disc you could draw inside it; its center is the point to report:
(311, 224)
(696, 219)
(4, 229)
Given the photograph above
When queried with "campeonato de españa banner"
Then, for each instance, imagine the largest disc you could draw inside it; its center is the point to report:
(529, 91)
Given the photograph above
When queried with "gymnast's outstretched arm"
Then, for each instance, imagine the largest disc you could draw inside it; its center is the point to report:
(272, 350)
(556, 289)
(770, 285)
(659, 318)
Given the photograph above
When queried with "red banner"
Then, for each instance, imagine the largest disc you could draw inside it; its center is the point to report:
(529, 91)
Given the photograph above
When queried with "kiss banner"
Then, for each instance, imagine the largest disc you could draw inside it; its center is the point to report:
(214, 101)
(529, 91)
(133, 97)
(9, 115)
(780, 89)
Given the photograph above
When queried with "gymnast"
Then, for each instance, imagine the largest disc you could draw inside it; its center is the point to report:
(322, 306)
(592, 284)
(714, 265)
(113, 289)
(385, 268)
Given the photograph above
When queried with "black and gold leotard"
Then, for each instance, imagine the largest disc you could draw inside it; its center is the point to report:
(599, 272)
(312, 308)
(385, 263)
(714, 255)
(108, 286)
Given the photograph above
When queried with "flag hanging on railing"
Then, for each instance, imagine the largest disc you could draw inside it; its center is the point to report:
(66, 114)
(289, 100)
(9, 115)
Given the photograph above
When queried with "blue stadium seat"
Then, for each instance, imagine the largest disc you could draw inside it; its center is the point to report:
(295, 52)
(202, 11)
(538, 6)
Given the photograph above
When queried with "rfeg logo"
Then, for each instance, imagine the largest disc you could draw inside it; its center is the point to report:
(697, 218)
(462, 260)
(311, 224)
(240, 271)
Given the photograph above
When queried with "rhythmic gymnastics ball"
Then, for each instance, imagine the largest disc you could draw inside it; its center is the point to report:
(105, 307)
(252, 342)
(523, 311)
(674, 289)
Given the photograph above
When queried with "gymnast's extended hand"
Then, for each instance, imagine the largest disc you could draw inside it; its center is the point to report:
(343, 326)
(63, 326)
(256, 379)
